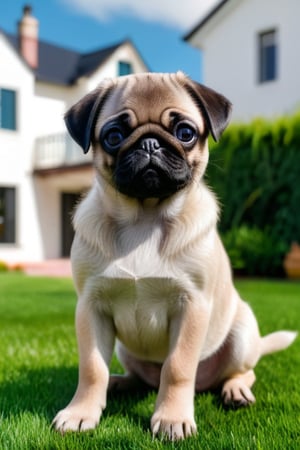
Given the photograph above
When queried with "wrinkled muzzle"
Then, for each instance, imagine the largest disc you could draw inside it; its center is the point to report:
(151, 169)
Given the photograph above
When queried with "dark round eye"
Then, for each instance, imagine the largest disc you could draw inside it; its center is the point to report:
(113, 138)
(185, 132)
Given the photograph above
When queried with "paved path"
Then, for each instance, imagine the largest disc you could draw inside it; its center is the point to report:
(51, 268)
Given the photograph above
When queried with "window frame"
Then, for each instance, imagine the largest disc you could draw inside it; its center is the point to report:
(13, 125)
(268, 56)
(124, 64)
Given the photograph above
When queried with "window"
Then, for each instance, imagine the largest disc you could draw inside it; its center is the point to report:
(268, 56)
(125, 68)
(7, 109)
(7, 215)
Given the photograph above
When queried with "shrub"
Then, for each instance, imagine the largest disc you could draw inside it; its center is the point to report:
(3, 266)
(253, 251)
(255, 171)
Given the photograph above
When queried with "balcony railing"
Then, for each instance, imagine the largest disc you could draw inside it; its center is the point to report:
(58, 150)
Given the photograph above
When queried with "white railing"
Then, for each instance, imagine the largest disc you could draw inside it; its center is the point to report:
(58, 150)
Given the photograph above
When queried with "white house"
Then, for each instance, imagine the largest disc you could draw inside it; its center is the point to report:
(251, 55)
(42, 171)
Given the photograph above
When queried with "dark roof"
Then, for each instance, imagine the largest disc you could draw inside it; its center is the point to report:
(205, 19)
(62, 66)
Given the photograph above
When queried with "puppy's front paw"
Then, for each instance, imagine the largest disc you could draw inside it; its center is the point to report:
(173, 428)
(75, 418)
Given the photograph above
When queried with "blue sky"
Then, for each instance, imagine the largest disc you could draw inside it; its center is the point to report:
(156, 27)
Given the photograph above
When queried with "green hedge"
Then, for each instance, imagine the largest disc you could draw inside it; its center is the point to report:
(255, 172)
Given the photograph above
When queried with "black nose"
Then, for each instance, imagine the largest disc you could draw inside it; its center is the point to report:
(150, 145)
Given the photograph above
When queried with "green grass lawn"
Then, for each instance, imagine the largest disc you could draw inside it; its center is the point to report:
(38, 376)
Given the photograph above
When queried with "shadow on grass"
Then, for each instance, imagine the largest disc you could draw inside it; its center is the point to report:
(45, 391)
(40, 391)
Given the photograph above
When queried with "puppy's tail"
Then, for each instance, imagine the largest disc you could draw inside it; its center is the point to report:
(277, 341)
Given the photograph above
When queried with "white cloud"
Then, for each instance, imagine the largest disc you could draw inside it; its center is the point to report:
(179, 13)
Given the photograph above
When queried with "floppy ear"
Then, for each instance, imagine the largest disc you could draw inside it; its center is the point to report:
(215, 108)
(80, 118)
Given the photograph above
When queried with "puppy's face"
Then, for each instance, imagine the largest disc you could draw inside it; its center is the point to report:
(149, 131)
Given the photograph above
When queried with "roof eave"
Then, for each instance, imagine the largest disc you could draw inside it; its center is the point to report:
(44, 79)
(188, 36)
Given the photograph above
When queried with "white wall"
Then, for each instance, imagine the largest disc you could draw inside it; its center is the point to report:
(16, 76)
(16, 156)
(50, 105)
(231, 56)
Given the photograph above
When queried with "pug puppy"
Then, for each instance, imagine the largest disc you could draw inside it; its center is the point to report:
(149, 268)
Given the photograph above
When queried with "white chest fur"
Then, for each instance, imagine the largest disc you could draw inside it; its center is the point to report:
(138, 251)
(141, 291)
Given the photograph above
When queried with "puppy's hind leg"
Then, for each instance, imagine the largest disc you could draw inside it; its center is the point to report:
(247, 346)
(244, 352)
(236, 390)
